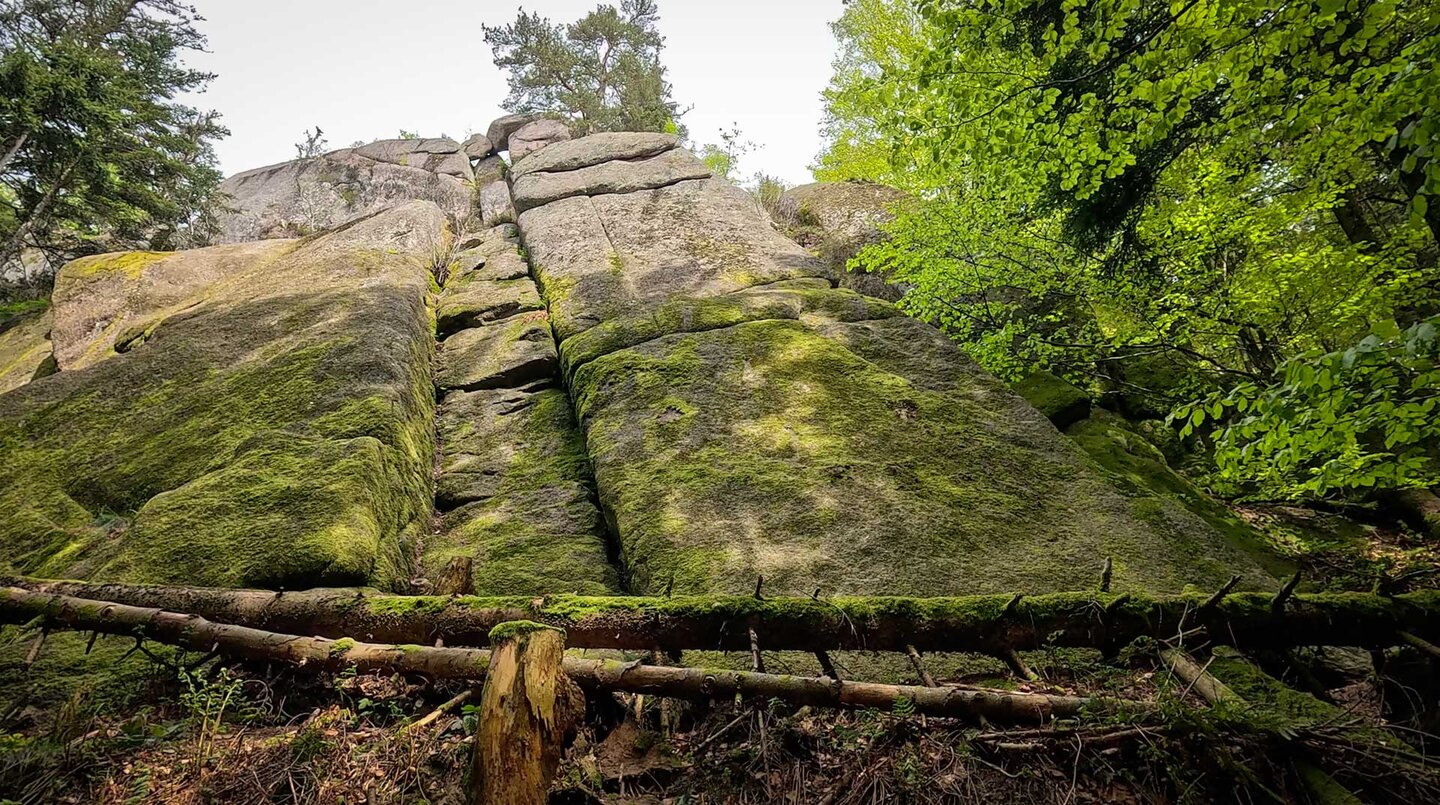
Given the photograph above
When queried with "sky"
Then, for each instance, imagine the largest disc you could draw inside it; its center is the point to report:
(364, 69)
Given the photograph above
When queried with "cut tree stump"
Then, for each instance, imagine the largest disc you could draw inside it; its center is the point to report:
(529, 710)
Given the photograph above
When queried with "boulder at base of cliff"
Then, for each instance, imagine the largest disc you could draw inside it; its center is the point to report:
(837, 220)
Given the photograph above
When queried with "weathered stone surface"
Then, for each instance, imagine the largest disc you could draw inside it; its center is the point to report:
(273, 432)
(514, 463)
(24, 347)
(488, 263)
(594, 150)
(536, 135)
(796, 300)
(300, 197)
(837, 219)
(99, 299)
(546, 540)
(542, 187)
(489, 169)
(1060, 402)
(495, 206)
(436, 155)
(624, 255)
(471, 302)
(511, 353)
(477, 146)
(500, 129)
(862, 457)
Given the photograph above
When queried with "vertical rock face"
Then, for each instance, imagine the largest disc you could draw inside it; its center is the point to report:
(513, 484)
(745, 418)
(255, 416)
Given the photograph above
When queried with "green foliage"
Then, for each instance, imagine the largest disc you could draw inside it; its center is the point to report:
(600, 73)
(1334, 423)
(1099, 184)
(723, 158)
(95, 153)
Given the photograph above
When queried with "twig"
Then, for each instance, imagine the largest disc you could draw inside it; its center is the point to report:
(1422, 644)
(1220, 594)
(34, 653)
(919, 666)
(1277, 605)
(453, 703)
(1105, 575)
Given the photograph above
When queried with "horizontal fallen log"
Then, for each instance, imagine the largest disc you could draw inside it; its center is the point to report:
(190, 631)
(988, 624)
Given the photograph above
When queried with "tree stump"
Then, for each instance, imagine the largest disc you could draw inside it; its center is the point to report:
(529, 709)
(457, 578)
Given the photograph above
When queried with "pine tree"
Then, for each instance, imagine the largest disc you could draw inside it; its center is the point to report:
(601, 73)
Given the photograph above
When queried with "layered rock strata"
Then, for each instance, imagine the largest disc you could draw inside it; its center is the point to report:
(256, 415)
(745, 418)
(513, 483)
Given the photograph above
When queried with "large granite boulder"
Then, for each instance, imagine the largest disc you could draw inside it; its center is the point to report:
(266, 421)
(24, 345)
(536, 135)
(303, 196)
(837, 220)
(500, 129)
(744, 418)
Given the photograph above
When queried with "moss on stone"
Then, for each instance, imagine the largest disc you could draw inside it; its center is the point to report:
(1060, 402)
(196, 416)
(515, 471)
(1138, 468)
(131, 264)
(866, 458)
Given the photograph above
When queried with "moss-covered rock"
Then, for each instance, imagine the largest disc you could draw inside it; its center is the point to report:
(513, 469)
(1139, 470)
(24, 345)
(503, 354)
(622, 255)
(470, 304)
(275, 430)
(862, 457)
(1060, 402)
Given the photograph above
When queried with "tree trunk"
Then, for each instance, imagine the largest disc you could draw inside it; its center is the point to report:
(528, 712)
(980, 623)
(1351, 217)
(58, 612)
(13, 149)
(1417, 508)
(26, 227)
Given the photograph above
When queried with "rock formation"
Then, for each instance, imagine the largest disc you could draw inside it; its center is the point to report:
(658, 392)
(304, 196)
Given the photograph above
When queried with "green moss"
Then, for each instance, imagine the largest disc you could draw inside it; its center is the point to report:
(106, 677)
(12, 311)
(864, 457)
(229, 410)
(1060, 402)
(1139, 470)
(785, 300)
(513, 629)
(130, 264)
(341, 646)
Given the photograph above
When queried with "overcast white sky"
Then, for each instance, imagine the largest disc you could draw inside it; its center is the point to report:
(363, 69)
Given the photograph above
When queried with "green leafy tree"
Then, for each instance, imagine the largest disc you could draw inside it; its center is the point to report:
(723, 158)
(96, 153)
(600, 73)
(1100, 179)
(1335, 423)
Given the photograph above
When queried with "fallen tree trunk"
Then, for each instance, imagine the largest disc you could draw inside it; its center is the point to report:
(53, 611)
(990, 624)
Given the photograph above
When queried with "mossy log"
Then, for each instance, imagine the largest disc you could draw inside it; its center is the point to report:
(57, 612)
(528, 712)
(988, 624)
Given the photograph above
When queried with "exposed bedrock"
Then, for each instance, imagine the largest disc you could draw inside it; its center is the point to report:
(304, 196)
(253, 415)
(744, 418)
(513, 484)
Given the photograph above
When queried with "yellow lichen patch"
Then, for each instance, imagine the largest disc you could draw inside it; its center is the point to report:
(131, 264)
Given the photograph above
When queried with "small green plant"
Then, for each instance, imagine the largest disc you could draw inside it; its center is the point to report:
(208, 701)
